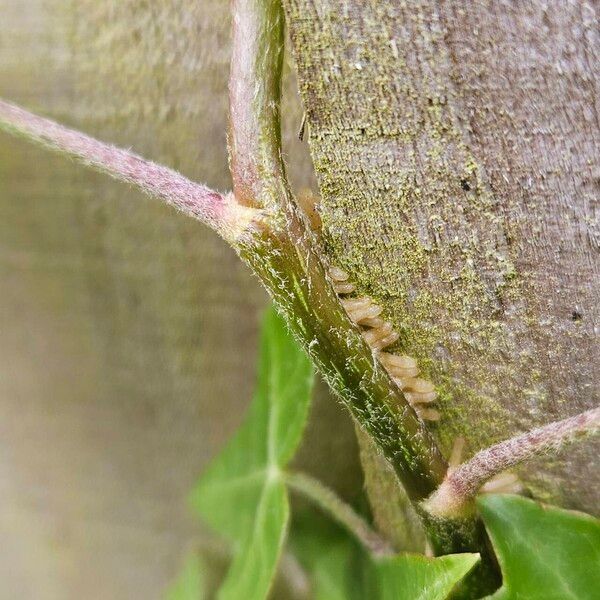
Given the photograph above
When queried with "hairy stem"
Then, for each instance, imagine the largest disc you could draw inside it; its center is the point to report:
(454, 496)
(286, 258)
(266, 227)
(343, 513)
(220, 212)
(283, 251)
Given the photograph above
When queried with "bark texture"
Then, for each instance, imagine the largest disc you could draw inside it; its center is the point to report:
(127, 331)
(456, 146)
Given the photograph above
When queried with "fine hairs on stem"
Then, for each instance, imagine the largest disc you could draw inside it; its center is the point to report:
(260, 220)
(220, 212)
(461, 484)
(347, 341)
(343, 513)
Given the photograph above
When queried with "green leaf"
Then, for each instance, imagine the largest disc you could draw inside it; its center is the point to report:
(190, 583)
(339, 570)
(242, 494)
(330, 556)
(545, 553)
(416, 577)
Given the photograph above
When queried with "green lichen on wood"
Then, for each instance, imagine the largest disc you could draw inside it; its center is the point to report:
(283, 251)
(294, 276)
(407, 209)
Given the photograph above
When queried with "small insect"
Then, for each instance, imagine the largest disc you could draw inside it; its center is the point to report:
(302, 128)
(380, 334)
(309, 203)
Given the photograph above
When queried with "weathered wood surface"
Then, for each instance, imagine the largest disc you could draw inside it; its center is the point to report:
(457, 149)
(456, 146)
(127, 332)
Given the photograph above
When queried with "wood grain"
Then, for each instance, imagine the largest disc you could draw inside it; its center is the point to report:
(456, 146)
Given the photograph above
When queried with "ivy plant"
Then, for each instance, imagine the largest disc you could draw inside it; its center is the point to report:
(544, 552)
(243, 493)
(243, 496)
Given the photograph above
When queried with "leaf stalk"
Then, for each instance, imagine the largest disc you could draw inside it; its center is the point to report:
(220, 212)
(454, 498)
(343, 513)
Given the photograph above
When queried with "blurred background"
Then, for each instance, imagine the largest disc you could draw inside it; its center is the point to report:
(127, 332)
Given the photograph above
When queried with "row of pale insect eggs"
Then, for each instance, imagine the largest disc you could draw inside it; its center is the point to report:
(419, 392)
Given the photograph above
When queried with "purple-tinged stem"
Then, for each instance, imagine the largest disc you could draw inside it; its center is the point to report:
(220, 212)
(461, 485)
(257, 167)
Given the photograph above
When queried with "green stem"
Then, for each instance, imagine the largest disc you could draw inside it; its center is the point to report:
(264, 224)
(454, 498)
(343, 513)
(285, 256)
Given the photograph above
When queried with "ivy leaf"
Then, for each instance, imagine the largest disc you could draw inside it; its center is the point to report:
(416, 577)
(331, 557)
(545, 553)
(242, 494)
(189, 585)
(340, 570)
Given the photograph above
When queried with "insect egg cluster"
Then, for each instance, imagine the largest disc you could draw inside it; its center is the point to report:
(380, 334)
(419, 392)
